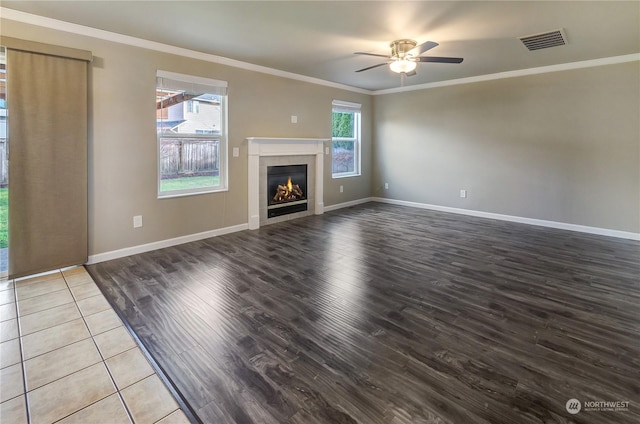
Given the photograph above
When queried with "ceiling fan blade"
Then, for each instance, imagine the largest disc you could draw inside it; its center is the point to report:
(373, 54)
(439, 59)
(371, 67)
(426, 46)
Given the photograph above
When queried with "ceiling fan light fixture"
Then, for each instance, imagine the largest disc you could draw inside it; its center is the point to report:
(402, 66)
(405, 55)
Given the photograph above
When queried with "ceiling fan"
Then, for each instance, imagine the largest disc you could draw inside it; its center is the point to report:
(405, 55)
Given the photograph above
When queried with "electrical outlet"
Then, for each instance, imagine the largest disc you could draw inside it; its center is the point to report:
(386, 186)
(137, 221)
(294, 119)
(326, 150)
(341, 189)
(463, 193)
(236, 152)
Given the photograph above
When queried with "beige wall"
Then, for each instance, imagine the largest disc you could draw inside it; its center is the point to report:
(561, 146)
(122, 139)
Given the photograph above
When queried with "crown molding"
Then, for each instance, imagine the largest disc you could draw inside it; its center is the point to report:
(28, 18)
(517, 73)
(42, 21)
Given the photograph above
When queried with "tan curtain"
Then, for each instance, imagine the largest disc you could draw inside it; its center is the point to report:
(47, 125)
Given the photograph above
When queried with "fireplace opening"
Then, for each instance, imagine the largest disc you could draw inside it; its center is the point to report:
(286, 189)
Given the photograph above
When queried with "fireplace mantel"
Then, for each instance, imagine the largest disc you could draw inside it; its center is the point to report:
(270, 146)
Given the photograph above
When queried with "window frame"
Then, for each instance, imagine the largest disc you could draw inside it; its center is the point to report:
(340, 106)
(219, 88)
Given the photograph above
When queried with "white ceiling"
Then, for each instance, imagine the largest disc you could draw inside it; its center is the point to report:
(317, 38)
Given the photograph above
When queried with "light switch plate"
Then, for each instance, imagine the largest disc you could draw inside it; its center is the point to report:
(236, 152)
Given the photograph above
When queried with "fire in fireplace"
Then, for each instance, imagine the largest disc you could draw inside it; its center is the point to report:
(287, 189)
(288, 193)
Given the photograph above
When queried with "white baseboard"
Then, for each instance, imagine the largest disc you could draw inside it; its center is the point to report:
(347, 204)
(134, 250)
(520, 219)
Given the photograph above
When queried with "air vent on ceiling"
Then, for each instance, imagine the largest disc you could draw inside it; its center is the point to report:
(544, 40)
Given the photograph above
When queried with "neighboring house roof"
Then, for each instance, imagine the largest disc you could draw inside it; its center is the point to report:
(213, 98)
(164, 125)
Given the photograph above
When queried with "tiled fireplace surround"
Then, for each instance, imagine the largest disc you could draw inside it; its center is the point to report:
(265, 152)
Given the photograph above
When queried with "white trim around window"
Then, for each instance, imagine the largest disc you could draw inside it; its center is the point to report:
(345, 161)
(192, 144)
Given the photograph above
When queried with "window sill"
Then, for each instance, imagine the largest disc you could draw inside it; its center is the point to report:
(193, 193)
(337, 176)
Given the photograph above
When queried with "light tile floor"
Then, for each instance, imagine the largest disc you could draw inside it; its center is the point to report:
(65, 357)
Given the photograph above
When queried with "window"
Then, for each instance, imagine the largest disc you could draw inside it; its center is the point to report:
(192, 138)
(345, 139)
(193, 106)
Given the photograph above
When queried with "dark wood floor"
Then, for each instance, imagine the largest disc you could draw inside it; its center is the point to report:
(386, 314)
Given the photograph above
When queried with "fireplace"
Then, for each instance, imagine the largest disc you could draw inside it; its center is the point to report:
(286, 190)
(265, 153)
